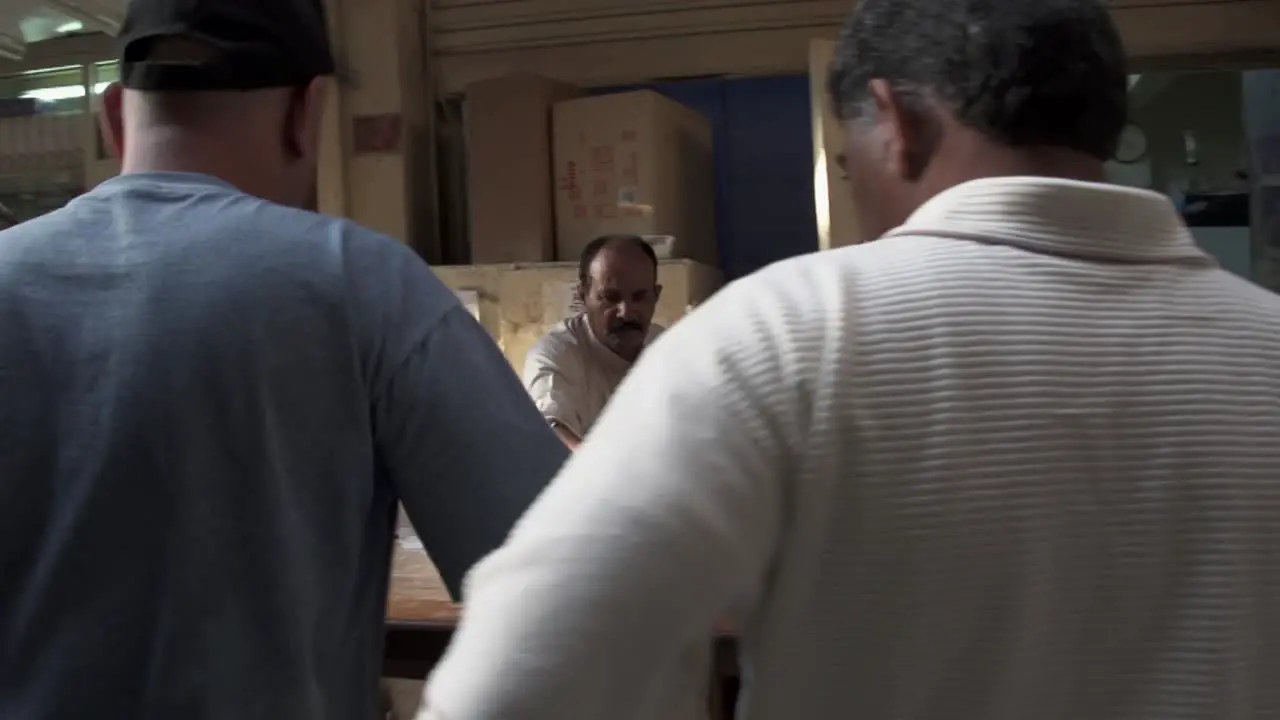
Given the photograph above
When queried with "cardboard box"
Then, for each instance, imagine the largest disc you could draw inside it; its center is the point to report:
(635, 163)
(509, 179)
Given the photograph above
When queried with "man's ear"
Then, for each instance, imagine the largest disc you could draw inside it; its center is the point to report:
(890, 132)
(657, 292)
(906, 127)
(111, 120)
(305, 118)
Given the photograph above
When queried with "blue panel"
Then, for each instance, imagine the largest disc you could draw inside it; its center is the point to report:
(768, 166)
(764, 165)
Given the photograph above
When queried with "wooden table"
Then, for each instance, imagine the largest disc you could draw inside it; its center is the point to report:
(420, 615)
(421, 619)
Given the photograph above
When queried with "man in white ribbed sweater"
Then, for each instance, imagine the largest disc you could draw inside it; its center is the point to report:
(1019, 458)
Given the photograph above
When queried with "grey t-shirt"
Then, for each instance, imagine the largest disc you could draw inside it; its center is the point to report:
(209, 406)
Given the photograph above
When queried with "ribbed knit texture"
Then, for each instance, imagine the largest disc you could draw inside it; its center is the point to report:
(1020, 459)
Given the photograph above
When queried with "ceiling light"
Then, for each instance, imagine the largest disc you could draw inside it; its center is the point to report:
(71, 27)
(62, 92)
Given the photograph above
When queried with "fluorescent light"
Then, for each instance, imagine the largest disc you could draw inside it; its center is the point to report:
(73, 26)
(63, 92)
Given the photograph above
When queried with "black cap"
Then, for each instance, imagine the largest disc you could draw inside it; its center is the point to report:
(224, 44)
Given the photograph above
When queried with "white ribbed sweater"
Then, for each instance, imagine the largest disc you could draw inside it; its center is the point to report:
(1020, 459)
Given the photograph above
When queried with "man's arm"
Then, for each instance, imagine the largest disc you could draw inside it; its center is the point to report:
(464, 447)
(467, 451)
(549, 371)
(667, 515)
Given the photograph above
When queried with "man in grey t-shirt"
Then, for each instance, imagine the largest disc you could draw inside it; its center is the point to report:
(210, 403)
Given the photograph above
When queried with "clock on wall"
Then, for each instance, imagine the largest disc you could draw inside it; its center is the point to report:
(1132, 147)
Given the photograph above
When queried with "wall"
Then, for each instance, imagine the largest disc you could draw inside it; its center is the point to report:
(385, 83)
(371, 187)
(765, 201)
(616, 42)
(1262, 127)
(384, 45)
(367, 187)
(1208, 104)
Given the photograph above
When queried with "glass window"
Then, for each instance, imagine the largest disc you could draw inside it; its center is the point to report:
(104, 73)
(51, 90)
(56, 90)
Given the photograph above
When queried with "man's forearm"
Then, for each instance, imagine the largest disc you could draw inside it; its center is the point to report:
(428, 413)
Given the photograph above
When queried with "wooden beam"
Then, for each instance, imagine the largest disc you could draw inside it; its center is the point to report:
(484, 40)
(331, 169)
(418, 98)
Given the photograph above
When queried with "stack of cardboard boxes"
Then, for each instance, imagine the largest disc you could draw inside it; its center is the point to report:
(509, 186)
(550, 169)
(634, 163)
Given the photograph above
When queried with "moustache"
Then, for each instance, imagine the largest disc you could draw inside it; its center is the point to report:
(622, 327)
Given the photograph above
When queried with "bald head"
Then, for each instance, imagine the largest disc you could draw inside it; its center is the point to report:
(265, 142)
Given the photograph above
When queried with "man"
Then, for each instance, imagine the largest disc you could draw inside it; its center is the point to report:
(1015, 459)
(212, 401)
(574, 369)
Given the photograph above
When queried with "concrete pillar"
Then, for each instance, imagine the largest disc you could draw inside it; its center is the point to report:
(377, 160)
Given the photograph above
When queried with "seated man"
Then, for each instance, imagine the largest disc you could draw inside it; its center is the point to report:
(572, 372)
(574, 369)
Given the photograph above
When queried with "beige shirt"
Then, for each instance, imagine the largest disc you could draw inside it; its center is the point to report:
(571, 375)
(1018, 459)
